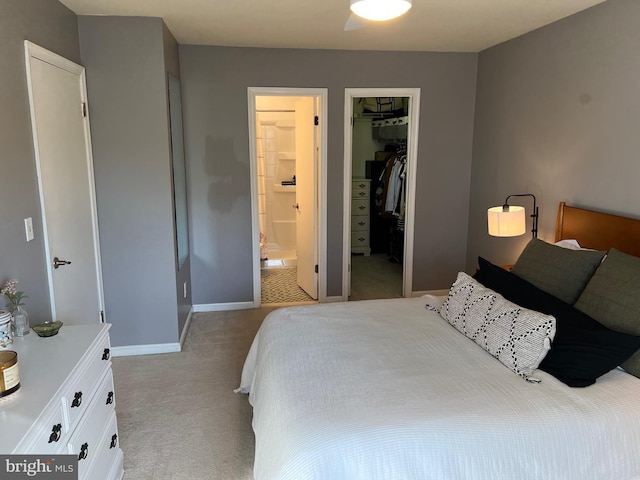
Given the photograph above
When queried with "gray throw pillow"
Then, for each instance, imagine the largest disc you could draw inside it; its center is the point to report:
(612, 297)
(559, 271)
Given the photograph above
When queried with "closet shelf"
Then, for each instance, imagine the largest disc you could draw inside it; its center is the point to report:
(284, 188)
(390, 121)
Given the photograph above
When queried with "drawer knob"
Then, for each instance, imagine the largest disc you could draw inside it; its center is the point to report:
(56, 432)
(77, 400)
(84, 451)
(362, 185)
(362, 207)
(362, 224)
(361, 239)
(109, 398)
(107, 354)
(362, 194)
(114, 441)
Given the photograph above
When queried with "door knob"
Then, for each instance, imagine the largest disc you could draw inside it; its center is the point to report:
(59, 263)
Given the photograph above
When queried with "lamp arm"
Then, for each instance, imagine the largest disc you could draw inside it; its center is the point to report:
(534, 215)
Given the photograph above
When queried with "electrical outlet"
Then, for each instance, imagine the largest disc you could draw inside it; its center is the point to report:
(28, 228)
(184, 289)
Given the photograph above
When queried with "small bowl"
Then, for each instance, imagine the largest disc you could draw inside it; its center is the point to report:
(47, 329)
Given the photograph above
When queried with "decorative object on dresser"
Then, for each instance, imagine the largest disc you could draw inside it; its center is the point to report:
(9, 373)
(47, 329)
(20, 319)
(6, 335)
(360, 215)
(66, 402)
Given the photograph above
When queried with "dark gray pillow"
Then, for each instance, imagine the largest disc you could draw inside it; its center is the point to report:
(612, 297)
(559, 271)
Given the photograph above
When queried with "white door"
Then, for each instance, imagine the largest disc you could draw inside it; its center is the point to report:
(306, 195)
(57, 95)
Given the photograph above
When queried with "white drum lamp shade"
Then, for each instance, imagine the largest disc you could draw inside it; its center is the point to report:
(509, 221)
(379, 10)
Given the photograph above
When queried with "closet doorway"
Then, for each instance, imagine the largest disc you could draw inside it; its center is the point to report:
(288, 145)
(381, 128)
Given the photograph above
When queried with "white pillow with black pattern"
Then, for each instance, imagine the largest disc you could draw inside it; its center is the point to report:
(518, 337)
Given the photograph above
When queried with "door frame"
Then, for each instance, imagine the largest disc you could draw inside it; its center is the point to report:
(322, 95)
(31, 50)
(412, 162)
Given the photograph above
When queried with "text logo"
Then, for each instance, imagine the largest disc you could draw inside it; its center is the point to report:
(50, 467)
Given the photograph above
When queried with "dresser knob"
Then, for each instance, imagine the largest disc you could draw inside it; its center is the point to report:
(114, 441)
(56, 432)
(362, 224)
(362, 194)
(107, 354)
(84, 451)
(109, 398)
(362, 207)
(77, 400)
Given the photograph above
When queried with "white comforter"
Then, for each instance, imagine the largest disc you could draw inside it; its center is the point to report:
(385, 389)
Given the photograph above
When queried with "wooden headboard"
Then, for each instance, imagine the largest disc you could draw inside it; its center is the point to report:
(598, 230)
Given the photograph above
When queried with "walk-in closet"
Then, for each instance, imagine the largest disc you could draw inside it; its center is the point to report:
(379, 168)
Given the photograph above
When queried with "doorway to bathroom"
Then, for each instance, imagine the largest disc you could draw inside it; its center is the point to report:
(288, 145)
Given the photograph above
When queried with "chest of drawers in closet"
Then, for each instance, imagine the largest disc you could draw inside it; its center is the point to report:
(66, 401)
(360, 215)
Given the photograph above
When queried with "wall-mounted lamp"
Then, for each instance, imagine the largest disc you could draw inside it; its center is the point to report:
(509, 220)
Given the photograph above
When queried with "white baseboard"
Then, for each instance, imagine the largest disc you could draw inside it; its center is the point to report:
(131, 350)
(185, 330)
(437, 293)
(222, 307)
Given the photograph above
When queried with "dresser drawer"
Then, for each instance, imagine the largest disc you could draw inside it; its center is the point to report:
(360, 223)
(78, 395)
(360, 206)
(85, 440)
(360, 189)
(106, 453)
(48, 434)
(360, 193)
(360, 239)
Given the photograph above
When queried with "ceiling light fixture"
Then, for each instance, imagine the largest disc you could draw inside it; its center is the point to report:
(379, 10)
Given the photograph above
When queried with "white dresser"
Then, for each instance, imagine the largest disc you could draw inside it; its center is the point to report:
(66, 401)
(360, 215)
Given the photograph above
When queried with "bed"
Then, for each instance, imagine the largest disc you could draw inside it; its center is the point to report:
(408, 388)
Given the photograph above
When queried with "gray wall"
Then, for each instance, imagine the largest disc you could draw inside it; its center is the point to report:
(214, 87)
(557, 115)
(183, 274)
(54, 27)
(124, 59)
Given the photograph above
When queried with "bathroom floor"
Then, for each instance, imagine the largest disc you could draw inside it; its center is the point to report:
(280, 285)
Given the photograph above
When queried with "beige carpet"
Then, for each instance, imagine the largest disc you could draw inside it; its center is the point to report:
(178, 417)
(374, 276)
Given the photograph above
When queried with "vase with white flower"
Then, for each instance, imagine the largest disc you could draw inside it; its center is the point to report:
(20, 319)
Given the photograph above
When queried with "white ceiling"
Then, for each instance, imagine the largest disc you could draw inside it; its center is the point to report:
(431, 25)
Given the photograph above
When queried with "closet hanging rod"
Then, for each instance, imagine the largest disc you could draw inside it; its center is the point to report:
(275, 111)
